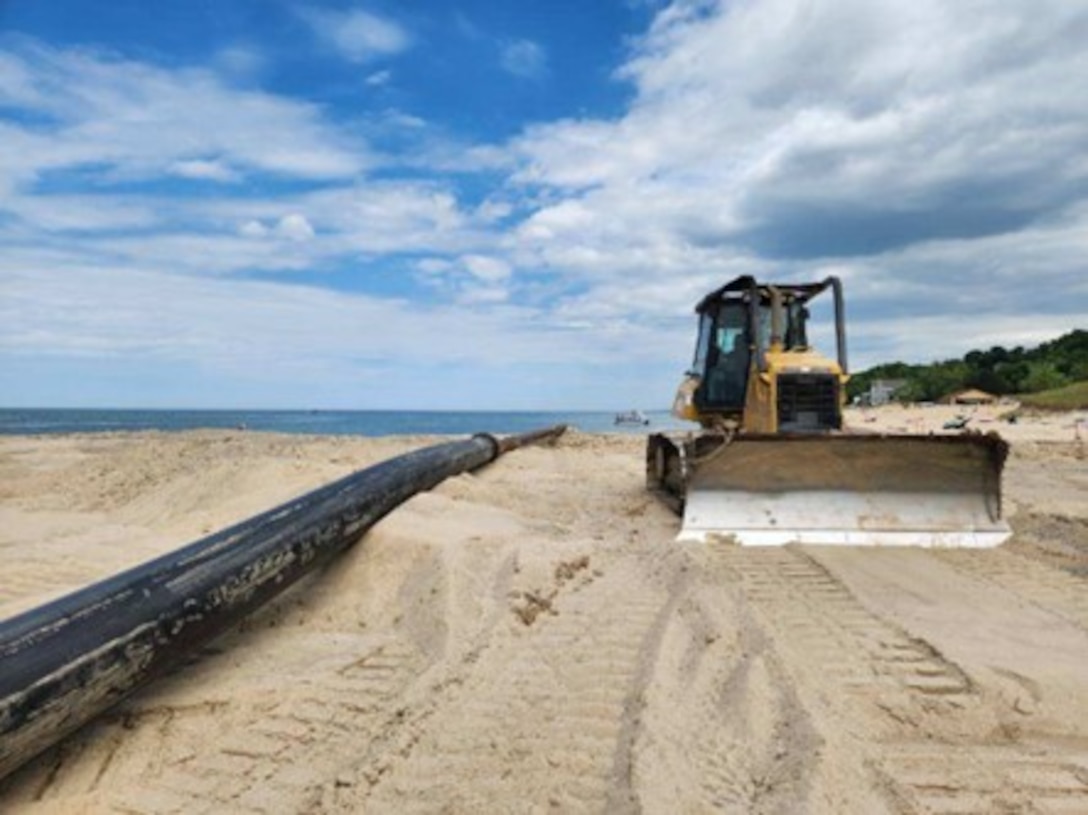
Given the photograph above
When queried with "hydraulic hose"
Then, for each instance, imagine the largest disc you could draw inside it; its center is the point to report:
(67, 661)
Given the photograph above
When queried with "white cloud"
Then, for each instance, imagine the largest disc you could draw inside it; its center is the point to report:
(780, 137)
(434, 266)
(203, 170)
(524, 58)
(489, 281)
(472, 295)
(209, 235)
(919, 100)
(252, 229)
(358, 35)
(18, 87)
(234, 329)
(294, 227)
(487, 269)
(127, 120)
(77, 213)
(494, 209)
(469, 280)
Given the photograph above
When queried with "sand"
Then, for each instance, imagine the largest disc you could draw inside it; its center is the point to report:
(528, 638)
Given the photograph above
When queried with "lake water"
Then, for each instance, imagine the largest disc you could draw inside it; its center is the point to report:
(33, 421)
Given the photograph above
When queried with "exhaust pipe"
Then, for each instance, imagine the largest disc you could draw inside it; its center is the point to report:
(69, 660)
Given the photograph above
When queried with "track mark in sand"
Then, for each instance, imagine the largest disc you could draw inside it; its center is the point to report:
(812, 611)
(933, 740)
(543, 717)
(722, 729)
(300, 731)
(927, 779)
(1048, 588)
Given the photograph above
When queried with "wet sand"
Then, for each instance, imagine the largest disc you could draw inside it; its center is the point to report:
(528, 638)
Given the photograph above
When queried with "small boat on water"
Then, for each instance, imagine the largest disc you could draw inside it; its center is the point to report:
(632, 417)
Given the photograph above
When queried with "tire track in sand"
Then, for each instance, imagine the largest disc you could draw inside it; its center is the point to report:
(722, 729)
(543, 718)
(300, 730)
(929, 739)
(810, 610)
(950, 780)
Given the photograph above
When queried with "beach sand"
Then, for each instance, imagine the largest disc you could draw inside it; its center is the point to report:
(528, 638)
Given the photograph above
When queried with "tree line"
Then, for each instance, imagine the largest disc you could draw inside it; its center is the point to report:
(999, 371)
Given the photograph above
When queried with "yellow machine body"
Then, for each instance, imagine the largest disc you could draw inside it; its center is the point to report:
(774, 465)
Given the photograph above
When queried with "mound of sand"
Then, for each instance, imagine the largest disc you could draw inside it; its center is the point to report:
(529, 638)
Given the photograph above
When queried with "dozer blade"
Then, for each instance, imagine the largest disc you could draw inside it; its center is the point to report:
(849, 489)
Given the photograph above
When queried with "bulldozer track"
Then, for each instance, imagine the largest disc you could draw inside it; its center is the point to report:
(981, 778)
(737, 737)
(925, 756)
(266, 768)
(556, 699)
(812, 611)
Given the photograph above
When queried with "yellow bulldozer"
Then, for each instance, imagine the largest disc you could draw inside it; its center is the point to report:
(773, 463)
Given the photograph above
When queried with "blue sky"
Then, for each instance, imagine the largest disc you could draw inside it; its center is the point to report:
(480, 204)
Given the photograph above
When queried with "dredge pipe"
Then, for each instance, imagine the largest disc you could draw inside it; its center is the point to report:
(67, 661)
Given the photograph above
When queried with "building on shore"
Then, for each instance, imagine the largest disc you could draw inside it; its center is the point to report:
(971, 396)
(882, 391)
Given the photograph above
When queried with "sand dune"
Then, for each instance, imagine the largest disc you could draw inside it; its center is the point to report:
(528, 638)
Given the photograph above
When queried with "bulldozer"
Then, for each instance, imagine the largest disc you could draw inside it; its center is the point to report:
(773, 464)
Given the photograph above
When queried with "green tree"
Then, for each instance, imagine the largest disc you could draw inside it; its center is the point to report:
(1044, 376)
(997, 370)
(1015, 374)
(991, 381)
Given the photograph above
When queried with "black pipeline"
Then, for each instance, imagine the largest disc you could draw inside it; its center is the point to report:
(63, 663)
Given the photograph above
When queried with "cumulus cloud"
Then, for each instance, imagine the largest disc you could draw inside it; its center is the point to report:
(252, 229)
(524, 58)
(358, 35)
(210, 235)
(487, 269)
(787, 137)
(489, 280)
(845, 128)
(471, 279)
(125, 120)
(294, 227)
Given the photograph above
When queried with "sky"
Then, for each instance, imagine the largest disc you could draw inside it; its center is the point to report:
(489, 204)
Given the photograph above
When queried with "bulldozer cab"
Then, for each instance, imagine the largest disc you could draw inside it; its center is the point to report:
(740, 325)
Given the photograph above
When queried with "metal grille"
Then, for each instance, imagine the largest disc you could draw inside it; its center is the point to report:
(808, 402)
